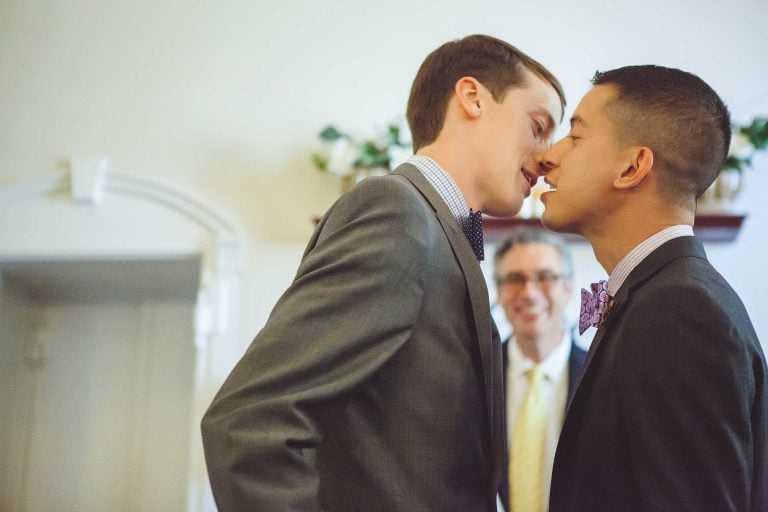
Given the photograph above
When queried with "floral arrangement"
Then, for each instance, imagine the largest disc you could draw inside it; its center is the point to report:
(345, 156)
(745, 142)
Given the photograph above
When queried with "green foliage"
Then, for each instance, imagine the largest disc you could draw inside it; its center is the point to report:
(331, 134)
(320, 162)
(753, 138)
(757, 132)
(344, 154)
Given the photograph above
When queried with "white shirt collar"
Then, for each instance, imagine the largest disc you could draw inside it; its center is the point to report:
(445, 186)
(639, 253)
(553, 365)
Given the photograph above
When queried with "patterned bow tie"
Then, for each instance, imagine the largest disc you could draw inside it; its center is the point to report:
(595, 306)
(473, 229)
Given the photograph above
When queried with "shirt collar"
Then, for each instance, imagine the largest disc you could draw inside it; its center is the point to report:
(553, 365)
(445, 186)
(639, 253)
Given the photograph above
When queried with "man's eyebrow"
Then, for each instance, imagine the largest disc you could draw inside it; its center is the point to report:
(578, 120)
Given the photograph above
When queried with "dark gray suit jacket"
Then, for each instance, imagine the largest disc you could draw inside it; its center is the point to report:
(575, 364)
(671, 412)
(376, 383)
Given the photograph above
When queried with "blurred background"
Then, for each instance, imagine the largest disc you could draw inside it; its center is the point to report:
(157, 191)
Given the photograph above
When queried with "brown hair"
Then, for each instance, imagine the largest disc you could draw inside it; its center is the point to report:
(678, 116)
(492, 62)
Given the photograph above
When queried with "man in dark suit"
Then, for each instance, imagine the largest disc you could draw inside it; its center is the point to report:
(671, 412)
(533, 271)
(376, 383)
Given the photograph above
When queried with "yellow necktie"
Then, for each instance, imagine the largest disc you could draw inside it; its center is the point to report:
(526, 464)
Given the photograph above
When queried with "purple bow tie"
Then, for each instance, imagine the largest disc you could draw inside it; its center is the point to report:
(595, 306)
(473, 229)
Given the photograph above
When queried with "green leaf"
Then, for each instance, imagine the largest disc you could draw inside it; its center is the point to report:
(757, 132)
(320, 161)
(331, 134)
(394, 134)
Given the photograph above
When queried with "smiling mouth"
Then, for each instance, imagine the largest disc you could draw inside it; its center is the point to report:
(532, 178)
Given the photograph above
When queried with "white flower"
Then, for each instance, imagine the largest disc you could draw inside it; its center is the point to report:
(740, 146)
(343, 155)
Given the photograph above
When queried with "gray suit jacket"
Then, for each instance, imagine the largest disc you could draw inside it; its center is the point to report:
(376, 383)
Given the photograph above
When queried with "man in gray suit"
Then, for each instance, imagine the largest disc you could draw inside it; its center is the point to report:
(376, 383)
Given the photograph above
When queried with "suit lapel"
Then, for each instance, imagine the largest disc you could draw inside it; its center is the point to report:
(686, 246)
(575, 367)
(601, 332)
(478, 291)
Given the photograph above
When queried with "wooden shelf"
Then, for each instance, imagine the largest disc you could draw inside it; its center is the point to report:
(708, 228)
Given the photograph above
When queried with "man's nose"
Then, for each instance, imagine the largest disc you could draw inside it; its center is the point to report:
(530, 287)
(547, 160)
(544, 167)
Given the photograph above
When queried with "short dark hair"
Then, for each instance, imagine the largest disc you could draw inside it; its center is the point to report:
(492, 62)
(678, 116)
(524, 235)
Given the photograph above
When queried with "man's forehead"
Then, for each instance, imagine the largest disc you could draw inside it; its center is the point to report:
(545, 98)
(593, 104)
(520, 264)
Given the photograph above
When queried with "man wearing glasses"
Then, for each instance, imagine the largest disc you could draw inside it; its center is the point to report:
(533, 270)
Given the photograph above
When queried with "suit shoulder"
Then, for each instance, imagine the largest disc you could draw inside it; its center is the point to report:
(687, 307)
(380, 204)
(395, 189)
(383, 195)
(692, 285)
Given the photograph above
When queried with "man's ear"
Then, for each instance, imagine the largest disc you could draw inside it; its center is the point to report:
(640, 164)
(467, 91)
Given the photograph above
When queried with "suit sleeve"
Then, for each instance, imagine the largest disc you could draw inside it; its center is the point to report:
(351, 307)
(687, 392)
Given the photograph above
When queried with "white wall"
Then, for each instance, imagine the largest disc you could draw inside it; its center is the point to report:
(15, 390)
(224, 99)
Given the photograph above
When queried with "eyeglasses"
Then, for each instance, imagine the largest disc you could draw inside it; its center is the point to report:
(514, 281)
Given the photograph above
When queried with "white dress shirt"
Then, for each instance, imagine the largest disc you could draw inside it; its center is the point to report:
(555, 389)
(641, 251)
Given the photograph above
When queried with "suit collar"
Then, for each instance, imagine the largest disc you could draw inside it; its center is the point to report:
(575, 363)
(686, 246)
(444, 214)
(478, 291)
(481, 309)
(553, 365)
(444, 185)
(641, 251)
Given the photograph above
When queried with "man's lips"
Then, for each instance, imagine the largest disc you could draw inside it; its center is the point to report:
(529, 316)
(545, 195)
(531, 177)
